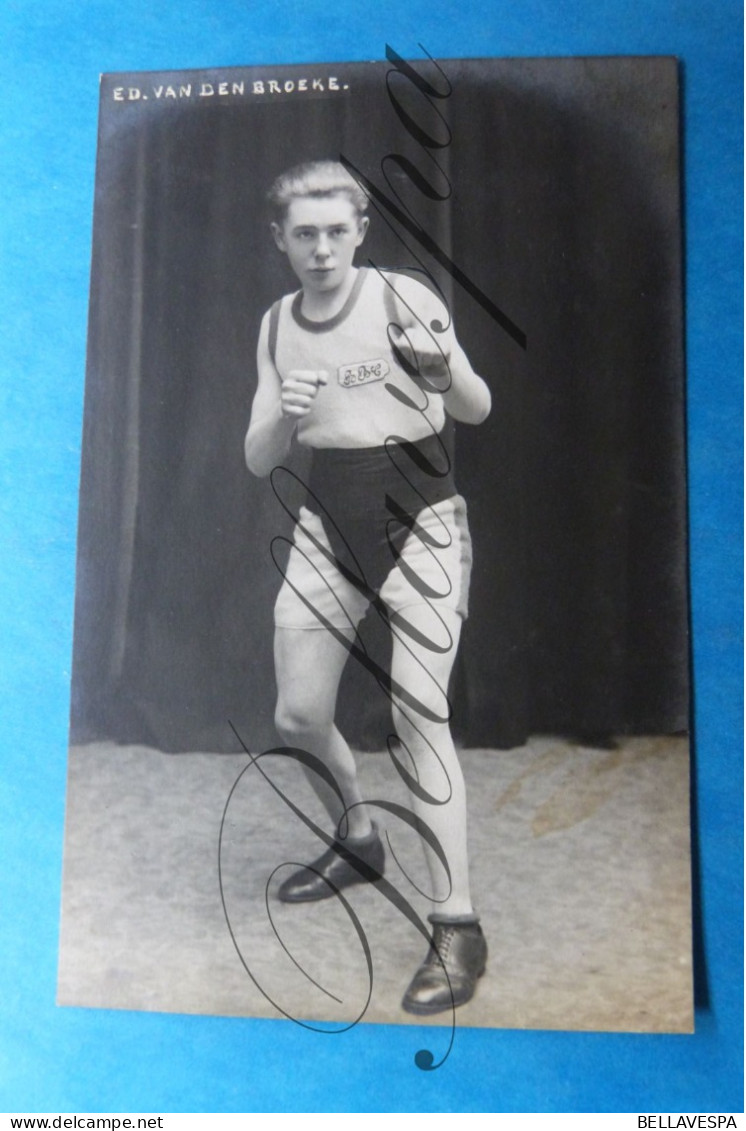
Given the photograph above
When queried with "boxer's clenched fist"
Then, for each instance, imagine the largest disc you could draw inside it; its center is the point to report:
(421, 351)
(299, 390)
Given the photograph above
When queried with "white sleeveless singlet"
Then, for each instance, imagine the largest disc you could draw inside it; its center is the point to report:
(355, 409)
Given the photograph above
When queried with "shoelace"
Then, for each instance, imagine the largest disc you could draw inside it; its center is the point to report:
(443, 937)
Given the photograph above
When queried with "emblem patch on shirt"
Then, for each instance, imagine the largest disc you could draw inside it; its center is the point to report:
(362, 373)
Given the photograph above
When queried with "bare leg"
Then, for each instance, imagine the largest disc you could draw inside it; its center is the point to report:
(457, 955)
(309, 665)
(428, 752)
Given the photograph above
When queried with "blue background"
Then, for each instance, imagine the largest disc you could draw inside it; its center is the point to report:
(72, 1060)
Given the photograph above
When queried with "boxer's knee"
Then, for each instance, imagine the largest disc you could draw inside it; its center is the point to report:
(299, 719)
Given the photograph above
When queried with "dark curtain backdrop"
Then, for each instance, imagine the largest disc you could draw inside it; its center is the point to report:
(565, 212)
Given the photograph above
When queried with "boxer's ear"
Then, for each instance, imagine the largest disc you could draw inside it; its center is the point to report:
(362, 228)
(279, 236)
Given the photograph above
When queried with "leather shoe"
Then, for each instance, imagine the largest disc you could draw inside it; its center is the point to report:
(342, 865)
(448, 977)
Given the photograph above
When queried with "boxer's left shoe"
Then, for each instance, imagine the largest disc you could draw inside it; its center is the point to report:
(457, 958)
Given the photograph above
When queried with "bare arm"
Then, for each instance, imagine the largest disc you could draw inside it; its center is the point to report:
(440, 363)
(277, 408)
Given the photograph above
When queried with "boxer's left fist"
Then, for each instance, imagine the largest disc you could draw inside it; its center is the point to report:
(420, 354)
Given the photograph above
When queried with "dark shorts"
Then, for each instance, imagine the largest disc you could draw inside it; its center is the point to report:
(430, 564)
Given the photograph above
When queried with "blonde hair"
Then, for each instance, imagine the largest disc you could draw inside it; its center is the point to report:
(316, 179)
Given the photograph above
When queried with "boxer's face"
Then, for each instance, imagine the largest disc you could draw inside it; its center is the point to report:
(320, 235)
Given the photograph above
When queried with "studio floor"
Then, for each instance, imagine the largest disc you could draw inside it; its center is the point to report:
(580, 871)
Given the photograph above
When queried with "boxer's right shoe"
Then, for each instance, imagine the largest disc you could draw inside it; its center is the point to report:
(344, 864)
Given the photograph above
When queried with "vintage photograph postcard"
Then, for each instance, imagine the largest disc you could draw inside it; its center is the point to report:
(380, 684)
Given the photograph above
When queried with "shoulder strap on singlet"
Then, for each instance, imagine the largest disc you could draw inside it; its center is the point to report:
(274, 320)
(416, 273)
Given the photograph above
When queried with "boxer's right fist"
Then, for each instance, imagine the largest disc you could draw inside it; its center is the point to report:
(299, 390)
